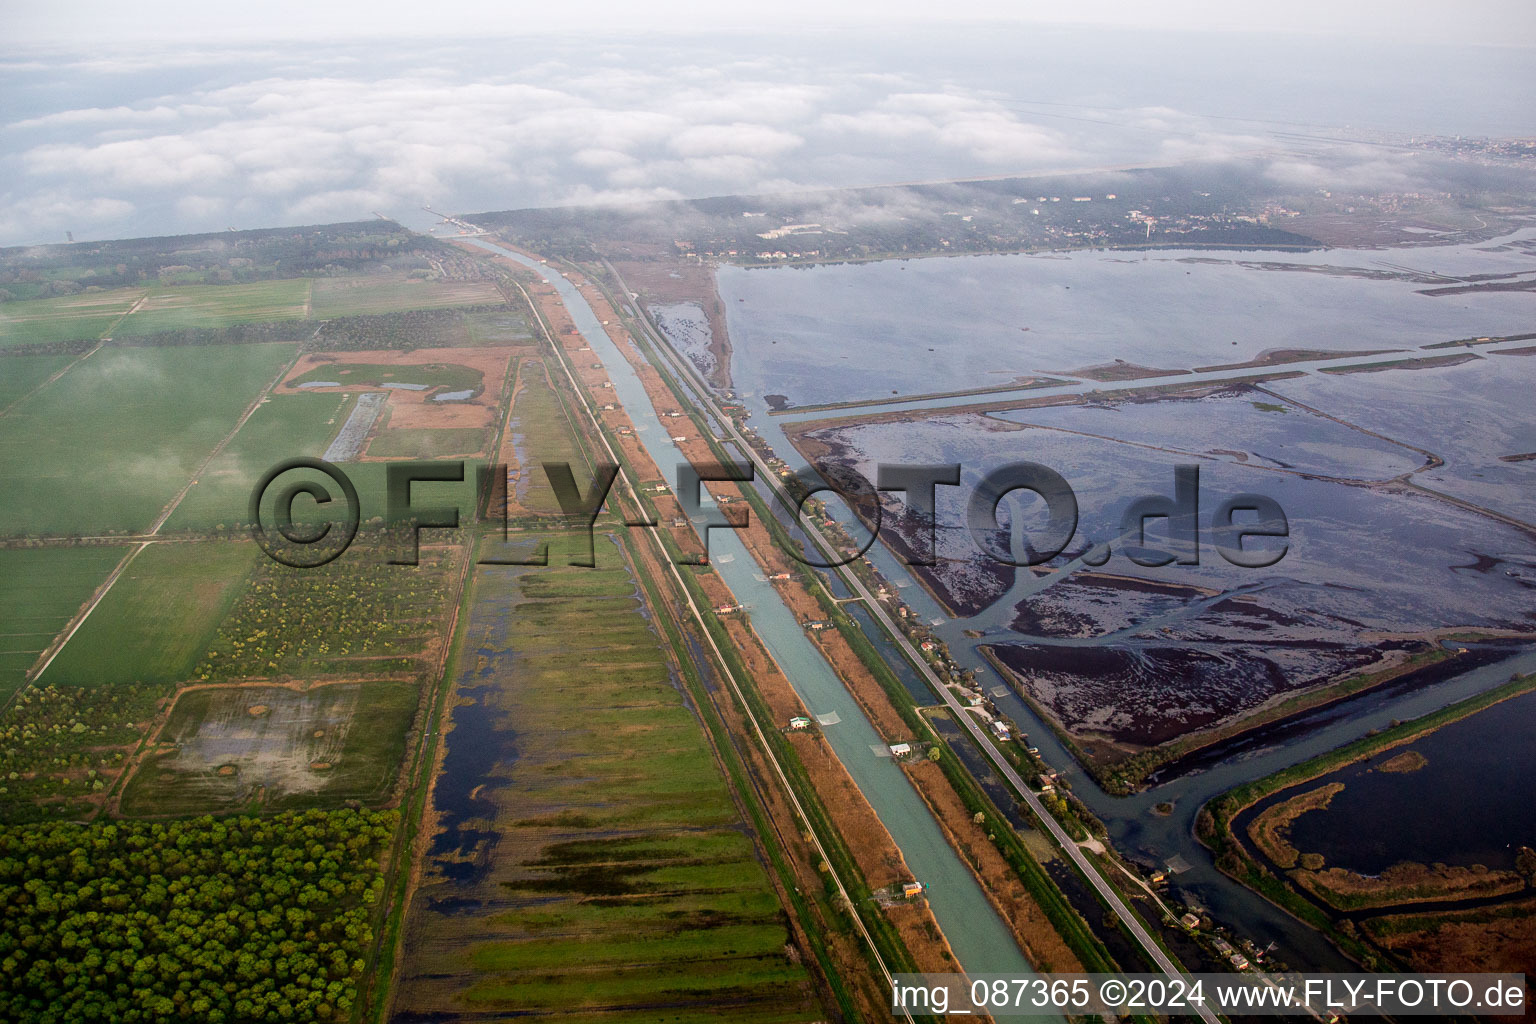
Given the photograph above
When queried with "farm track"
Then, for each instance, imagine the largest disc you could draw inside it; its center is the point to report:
(52, 651)
(250, 411)
(70, 366)
(106, 335)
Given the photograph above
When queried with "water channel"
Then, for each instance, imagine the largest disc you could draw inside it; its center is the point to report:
(980, 939)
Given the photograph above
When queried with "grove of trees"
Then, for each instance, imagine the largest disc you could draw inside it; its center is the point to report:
(204, 919)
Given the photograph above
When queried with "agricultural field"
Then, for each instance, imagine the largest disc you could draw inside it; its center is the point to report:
(110, 443)
(270, 747)
(383, 293)
(64, 317)
(40, 591)
(356, 616)
(538, 431)
(589, 861)
(240, 919)
(428, 376)
(158, 617)
(176, 308)
(282, 427)
(500, 326)
(440, 402)
(491, 325)
(424, 443)
(20, 375)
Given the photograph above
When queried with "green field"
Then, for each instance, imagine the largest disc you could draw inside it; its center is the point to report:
(448, 376)
(65, 318)
(272, 747)
(21, 374)
(157, 618)
(40, 591)
(539, 432)
(502, 327)
(174, 308)
(109, 444)
(352, 296)
(610, 874)
(422, 443)
(282, 427)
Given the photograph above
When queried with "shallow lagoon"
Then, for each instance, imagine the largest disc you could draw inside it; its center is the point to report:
(1470, 415)
(846, 332)
(1390, 561)
(1473, 775)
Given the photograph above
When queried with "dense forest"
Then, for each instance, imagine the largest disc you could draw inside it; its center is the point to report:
(207, 919)
(218, 258)
(1169, 206)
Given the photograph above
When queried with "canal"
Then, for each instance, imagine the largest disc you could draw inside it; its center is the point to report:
(980, 939)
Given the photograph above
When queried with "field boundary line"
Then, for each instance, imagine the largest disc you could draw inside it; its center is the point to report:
(53, 650)
(106, 335)
(53, 377)
(202, 467)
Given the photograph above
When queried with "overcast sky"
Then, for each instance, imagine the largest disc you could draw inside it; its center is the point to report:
(157, 118)
(113, 22)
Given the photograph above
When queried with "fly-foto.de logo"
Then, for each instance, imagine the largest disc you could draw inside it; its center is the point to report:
(302, 523)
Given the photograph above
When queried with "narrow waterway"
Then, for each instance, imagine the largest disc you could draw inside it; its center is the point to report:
(1132, 822)
(980, 939)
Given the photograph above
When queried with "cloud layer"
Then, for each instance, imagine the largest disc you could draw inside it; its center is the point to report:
(200, 140)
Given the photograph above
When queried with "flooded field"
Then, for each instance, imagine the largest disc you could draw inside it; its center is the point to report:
(1235, 423)
(1132, 655)
(1388, 569)
(687, 326)
(230, 748)
(1404, 514)
(1415, 839)
(588, 856)
(1474, 416)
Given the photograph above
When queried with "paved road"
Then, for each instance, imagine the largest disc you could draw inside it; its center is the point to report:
(1132, 922)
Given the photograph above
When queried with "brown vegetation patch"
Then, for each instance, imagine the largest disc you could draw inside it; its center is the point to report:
(1487, 939)
(1402, 764)
(415, 410)
(667, 280)
(1269, 831)
(1407, 882)
(1120, 370)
